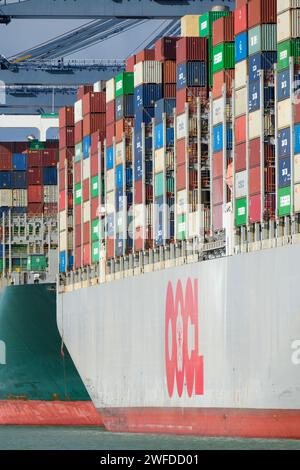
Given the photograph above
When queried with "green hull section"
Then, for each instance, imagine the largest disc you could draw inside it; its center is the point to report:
(31, 364)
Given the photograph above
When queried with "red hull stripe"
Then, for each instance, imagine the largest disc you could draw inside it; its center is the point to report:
(283, 424)
(47, 413)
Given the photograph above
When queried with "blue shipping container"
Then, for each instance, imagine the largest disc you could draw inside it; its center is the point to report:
(119, 199)
(138, 168)
(119, 176)
(218, 138)
(5, 180)
(164, 106)
(148, 145)
(50, 176)
(170, 136)
(241, 47)
(297, 138)
(128, 176)
(148, 166)
(110, 225)
(109, 158)
(159, 211)
(119, 246)
(254, 96)
(86, 146)
(138, 148)
(19, 161)
(62, 261)
(146, 95)
(260, 61)
(283, 85)
(19, 210)
(142, 115)
(124, 106)
(284, 176)
(159, 136)
(19, 179)
(284, 142)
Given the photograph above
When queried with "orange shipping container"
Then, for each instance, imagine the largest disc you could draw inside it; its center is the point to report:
(240, 129)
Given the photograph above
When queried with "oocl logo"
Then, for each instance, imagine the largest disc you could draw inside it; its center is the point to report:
(184, 365)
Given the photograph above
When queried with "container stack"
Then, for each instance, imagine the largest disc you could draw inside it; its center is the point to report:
(223, 64)
(163, 135)
(148, 88)
(66, 168)
(110, 193)
(288, 109)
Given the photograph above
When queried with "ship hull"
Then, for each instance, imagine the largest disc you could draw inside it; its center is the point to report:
(209, 348)
(39, 383)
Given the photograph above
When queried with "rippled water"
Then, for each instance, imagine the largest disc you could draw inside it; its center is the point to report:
(46, 438)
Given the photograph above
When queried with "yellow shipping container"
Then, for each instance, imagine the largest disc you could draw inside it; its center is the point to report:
(190, 26)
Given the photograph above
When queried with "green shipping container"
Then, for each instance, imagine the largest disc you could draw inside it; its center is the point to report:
(241, 211)
(262, 38)
(95, 252)
(288, 49)
(95, 232)
(181, 227)
(210, 48)
(170, 185)
(124, 84)
(95, 186)
(78, 152)
(223, 57)
(36, 263)
(206, 22)
(78, 194)
(210, 75)
(159, 184)
(284, 201)
(36, 145)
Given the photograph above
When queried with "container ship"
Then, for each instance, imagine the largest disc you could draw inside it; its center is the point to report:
(39, 383)
(181, 310)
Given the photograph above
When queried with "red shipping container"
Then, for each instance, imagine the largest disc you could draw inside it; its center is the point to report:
(110, 248)
(5, 161)
(223, 30)
(130, 63)
(6, 148)
(123, 126)
(86, 232)
(20, 147)
(77, 262)
(110, 112)
(94, 208)
(240, 157)
(240, 129)
(86, 190)
(66, 137)
(191, 48)
(217, 165)
(94, 165)
(254, 208)
(62, 200)
(254, 153)
(35, 193)
(261, 12)
(225, 76)
(78, 236)
(180, 151)
(49, 157)
(35, 176)
(35, 208)
(149, 192)
(70, 199)
(217, 191)
(269, 174)
(241, 19)
(66, 154)
(269, 154)
(254, 180)
(269, 208)
(180, 177)
(66, 116)
(78, 214)
(170, 90)
(165, 49)
(146, 54)
(217, 216)
(297, 112)
(70, 179)
(95, 140)
(94, 103)
(169, 71)
(93, 123)
(139, 239)
(78, 133)
(34, 158)
(83, 89)
(50, 208)
(62, 179)
(190, 95)
(110, 133)
(138, 192)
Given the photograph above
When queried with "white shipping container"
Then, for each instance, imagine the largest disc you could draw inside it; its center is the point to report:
(159, 160)
(78, 111)
(241, 101)
(149, 71)
(120, 221)
(6, 197)
(241, 72)
(99, 86)
(288, 25)
(119, 153)
(218, 111)
(110, 180)
(19, 198)
(283, 5)
(284, 113)
(110, 90)
(110, 202)
(63, 245)
(70, 240)
(86, 168)
(63, 220)
(241, 184)
(139, 215)
(50, 194)
(190, 26)
(255, 124)
(297, 168)
(194, 224)
(297, 197)
(181, 202)
(86, 211)
(181, 126)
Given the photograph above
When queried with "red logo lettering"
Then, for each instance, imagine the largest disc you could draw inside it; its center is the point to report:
(184, 365)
